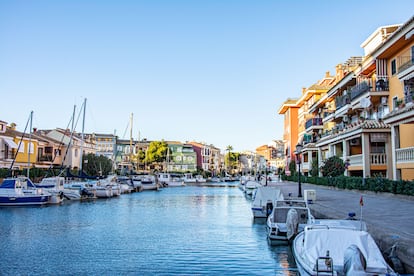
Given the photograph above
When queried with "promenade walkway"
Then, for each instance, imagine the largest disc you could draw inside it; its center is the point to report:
(389, 218)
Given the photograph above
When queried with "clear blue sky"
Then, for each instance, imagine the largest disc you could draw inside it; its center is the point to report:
(213, 71)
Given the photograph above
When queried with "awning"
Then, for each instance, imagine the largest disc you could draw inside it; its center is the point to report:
(10, 143)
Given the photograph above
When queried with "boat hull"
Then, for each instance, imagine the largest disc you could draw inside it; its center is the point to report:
(32, 200)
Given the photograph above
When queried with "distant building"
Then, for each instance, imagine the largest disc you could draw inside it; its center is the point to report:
(208, 157)
(182, 157)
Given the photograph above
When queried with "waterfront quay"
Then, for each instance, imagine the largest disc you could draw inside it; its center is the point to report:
(389, 217)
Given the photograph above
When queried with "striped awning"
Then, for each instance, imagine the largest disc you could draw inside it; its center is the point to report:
(10, 142)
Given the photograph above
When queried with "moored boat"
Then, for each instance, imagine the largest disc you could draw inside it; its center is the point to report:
(22, 192)
(264, 200)
(170, 180)
(338, 247)
(288, 218)
(251, 186)
(55, 186)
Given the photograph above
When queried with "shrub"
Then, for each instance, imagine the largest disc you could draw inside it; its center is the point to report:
(333, 166)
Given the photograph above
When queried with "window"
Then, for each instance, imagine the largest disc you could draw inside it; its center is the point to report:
(21, 147)
(393, 67)
(412, 55)
(394, 102)
(31, 148)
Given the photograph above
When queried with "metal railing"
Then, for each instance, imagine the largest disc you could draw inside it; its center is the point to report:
(404, 62)
(341, 101)
(313, 122)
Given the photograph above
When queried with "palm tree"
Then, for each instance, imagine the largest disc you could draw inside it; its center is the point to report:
(229, 149)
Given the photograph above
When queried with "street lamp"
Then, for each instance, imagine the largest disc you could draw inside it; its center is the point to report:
(299, 148)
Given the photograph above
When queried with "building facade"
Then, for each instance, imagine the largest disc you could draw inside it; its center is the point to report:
(366, 116)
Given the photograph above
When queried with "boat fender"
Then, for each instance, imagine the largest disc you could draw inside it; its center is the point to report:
(61, 195)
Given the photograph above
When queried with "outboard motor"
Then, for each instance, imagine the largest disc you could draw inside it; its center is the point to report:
(292, 224)
(269, 208)
(354, 261)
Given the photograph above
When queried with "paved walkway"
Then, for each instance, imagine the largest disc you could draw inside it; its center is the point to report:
(389, 218)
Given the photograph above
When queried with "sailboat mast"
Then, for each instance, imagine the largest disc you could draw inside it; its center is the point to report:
(30, 144)
(130, 140)
(82, 137)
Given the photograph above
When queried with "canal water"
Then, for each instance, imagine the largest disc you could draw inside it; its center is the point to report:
(175, 231)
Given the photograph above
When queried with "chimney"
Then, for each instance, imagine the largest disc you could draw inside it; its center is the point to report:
(339, 72)
(34, 130)
(303, 90)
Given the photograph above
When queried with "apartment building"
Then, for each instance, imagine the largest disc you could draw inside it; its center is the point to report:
(366, 117)
(181, 157)
(299, 125)
(208, 157)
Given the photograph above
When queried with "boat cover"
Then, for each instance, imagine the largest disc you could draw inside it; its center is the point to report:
(335, 240)
(265, 194)
(292, 223)
(354, 261)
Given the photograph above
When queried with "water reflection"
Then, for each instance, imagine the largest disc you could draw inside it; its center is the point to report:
(177, 231)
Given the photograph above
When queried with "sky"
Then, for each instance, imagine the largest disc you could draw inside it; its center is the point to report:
(211, 71)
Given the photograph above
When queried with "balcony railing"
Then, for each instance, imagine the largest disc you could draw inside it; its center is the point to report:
(355, 160)
(341, 101)
(378, 158)
(405, 154)
(375, 159)
(45, 158)
(404, 63)
(359, 89)
(313, 122)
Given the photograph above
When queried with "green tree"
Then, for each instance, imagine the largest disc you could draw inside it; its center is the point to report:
(315, 167)
(157, 152)
(292, 167)
(228, 149)
(96, 165)
(333, 166)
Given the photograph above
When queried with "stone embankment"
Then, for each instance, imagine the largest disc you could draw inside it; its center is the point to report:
(389, 217)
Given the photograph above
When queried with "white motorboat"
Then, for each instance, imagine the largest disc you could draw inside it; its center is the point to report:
(22, 192)
(111, 180)
(55, 185)
(200, 179)
(149, 182)
(338, 247)
(102, 189)
(86, 189)
(264, 199)
(170, 180)
(288, 218)
(188, 178)
(251, 186)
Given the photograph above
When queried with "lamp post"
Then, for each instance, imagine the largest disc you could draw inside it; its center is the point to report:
(299, 148)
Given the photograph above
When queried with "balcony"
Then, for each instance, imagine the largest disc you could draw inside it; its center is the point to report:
(375, 159)
(378, 159)
(342, 101)
(405, 155)
(46, 158)
(359, 89)
(404, 62)
(314, 122)
(328, 115)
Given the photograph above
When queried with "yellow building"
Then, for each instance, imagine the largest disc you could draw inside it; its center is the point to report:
(398, 56)
(23, 153)
(367, 117)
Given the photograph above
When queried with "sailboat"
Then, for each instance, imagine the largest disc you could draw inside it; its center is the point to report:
(21, 191)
